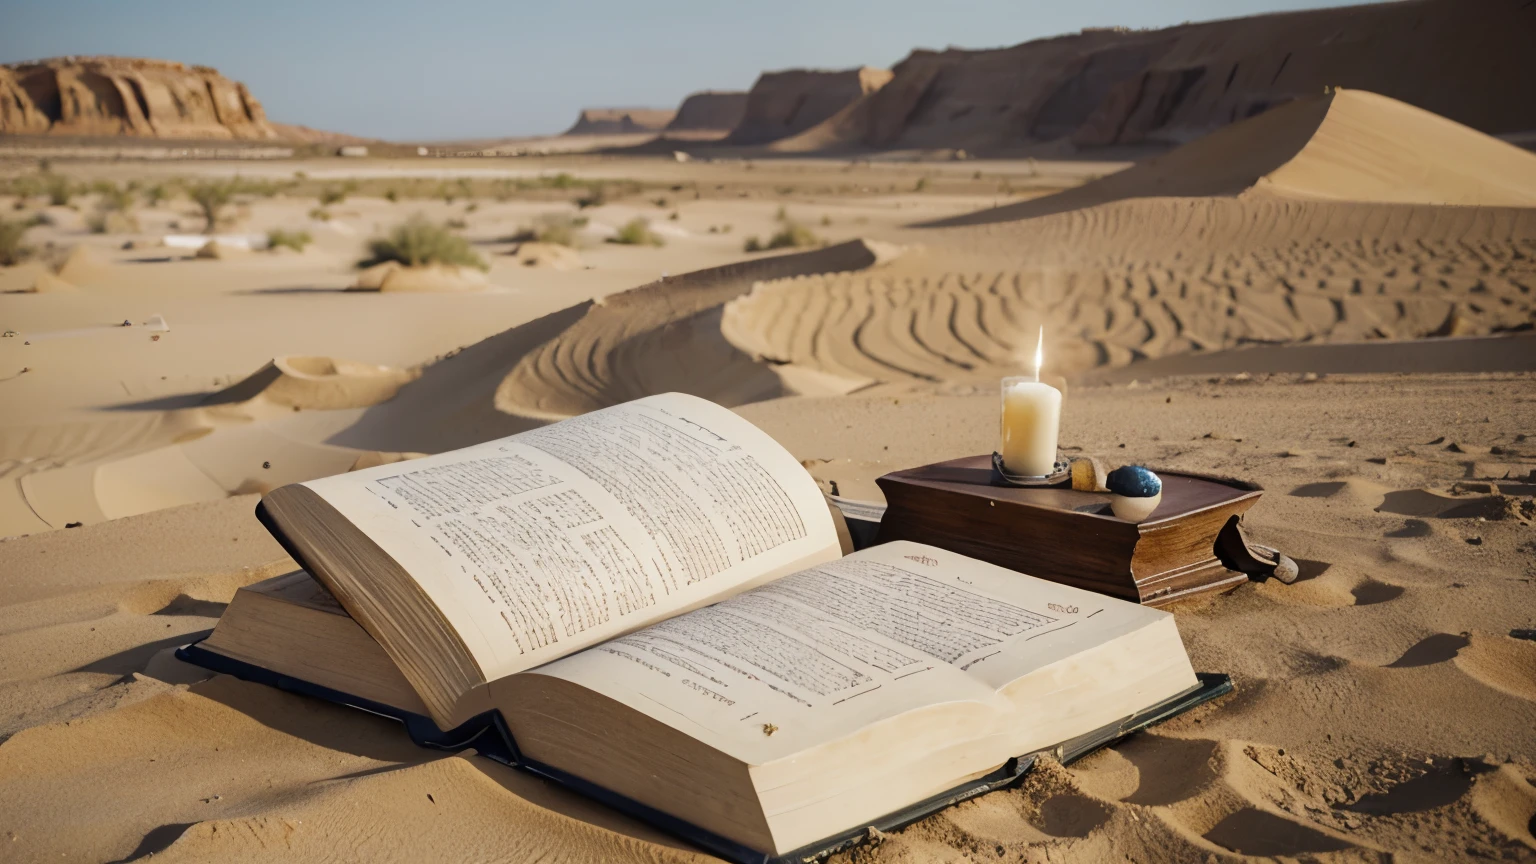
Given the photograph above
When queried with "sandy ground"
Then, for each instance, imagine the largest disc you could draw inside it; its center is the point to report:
(1215, 309)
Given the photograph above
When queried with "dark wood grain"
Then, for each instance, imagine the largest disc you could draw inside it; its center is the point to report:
(1066, 536)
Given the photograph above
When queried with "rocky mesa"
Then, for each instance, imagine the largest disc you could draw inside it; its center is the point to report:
(99, 96)
(783, 104)
(1112, 86)
(620, 121)
(709, 111)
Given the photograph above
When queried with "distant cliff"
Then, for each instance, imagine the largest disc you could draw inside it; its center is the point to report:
(94, 96)
(620, 121)
(709, 110)
(1462, 60)
(782, 104)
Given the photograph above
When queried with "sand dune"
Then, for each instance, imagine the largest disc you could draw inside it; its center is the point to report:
(322, 383)
(1231, 240)
(233, 442)
(663, 336)
(1348, 146)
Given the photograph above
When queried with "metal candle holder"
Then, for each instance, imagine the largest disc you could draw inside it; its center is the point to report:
(1061, 472)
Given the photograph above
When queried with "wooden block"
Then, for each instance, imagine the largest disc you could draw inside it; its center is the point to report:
(1071, 536)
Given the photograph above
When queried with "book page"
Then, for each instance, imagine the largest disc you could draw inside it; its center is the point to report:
(825, 652)
(540, 544)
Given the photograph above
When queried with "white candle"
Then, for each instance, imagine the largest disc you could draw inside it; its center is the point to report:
(1031, 422)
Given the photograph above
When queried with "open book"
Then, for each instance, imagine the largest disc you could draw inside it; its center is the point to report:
(651, 601)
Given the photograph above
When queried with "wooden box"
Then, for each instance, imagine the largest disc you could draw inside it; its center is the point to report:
(1071, 537)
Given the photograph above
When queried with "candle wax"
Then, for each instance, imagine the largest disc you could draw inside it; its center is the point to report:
(1031, 422)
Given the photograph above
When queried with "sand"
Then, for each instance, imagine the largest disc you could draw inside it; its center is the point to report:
(1331, 303)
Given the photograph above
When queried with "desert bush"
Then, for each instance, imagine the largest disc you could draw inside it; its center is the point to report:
(155, 195)
(825, 220)
(753, 244)
(211, 197)
(597, 196)
(457, 224)
(391, 195)
(920, 185)
(60, 190)
(471, 207)
(559, 229)
(115, 198)
(637, 232)
(296, 240)
(332, 195)
(418, 241)
(792, 236)
(13, 250)
(320, 214)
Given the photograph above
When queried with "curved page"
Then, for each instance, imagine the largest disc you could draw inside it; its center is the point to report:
(549, 541)
(843, 647)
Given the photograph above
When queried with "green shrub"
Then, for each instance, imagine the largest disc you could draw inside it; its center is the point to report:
(637, 232)
(752, 245)
(418, 241)
(295, 240)
(922, 183)
(559, 229)
(115, 198)
(793, 236)
(391, 195)
(332, 195)
(12, 250)
(60, 190)
(155, 195)
(211, 197)
(596, 196)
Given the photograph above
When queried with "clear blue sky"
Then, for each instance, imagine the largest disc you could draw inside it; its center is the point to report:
(479, 68)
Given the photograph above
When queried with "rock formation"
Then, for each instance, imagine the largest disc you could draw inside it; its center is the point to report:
(1115, 86)
(92, 96)
(620, 121)
(782, 104)
(709, 111)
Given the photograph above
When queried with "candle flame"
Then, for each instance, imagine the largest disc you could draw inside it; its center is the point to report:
(1040, 353)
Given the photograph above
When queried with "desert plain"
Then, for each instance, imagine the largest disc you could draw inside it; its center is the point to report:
(1331, 298)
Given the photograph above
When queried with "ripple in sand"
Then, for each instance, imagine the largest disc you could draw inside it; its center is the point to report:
(1444, 783)
(1070, 815)
(1252, 831)
(1427, 652)
(1371, 592)
(1501, 662)
(1506, 800)
(1170, 770)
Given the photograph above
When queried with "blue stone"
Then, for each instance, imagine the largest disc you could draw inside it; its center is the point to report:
(1133, 481)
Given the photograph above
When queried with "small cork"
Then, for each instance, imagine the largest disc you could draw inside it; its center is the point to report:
(1088, 474)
